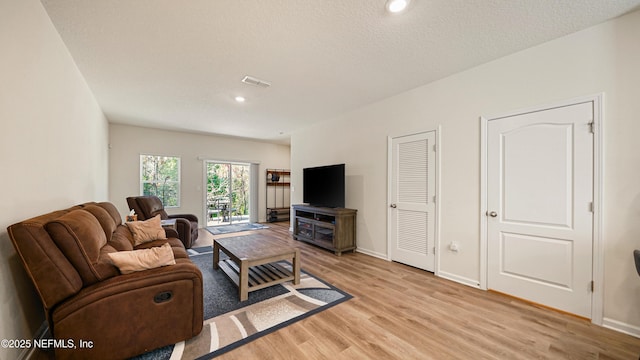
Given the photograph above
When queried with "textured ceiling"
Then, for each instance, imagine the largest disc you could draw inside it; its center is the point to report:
(177, 64)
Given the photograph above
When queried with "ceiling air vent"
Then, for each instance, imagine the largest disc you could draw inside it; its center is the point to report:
(254, 81)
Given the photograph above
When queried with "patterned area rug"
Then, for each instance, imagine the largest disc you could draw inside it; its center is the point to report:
(230, 323)
(225, 229)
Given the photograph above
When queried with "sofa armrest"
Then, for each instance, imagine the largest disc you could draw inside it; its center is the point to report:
(171, 233)
(189, 217)
(183, 227)
(161, 306)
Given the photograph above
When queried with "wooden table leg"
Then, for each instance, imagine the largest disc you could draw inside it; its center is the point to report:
(296, 267)
(243, 286)
(216, 255)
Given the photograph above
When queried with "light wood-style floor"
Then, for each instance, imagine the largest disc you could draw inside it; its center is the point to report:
(399, 312)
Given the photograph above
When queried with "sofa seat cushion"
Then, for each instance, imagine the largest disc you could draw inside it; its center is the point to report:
(143, 259)
(80, 237)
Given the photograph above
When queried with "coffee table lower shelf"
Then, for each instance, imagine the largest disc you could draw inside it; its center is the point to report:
(259, 277)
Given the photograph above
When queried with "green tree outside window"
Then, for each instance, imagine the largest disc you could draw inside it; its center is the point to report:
(160, 176)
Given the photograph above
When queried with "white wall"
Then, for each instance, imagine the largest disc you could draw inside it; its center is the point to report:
(604, 58)
(53, 147)
(127, 143)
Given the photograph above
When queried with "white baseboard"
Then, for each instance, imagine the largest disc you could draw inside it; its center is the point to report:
(621, 327)
(372, 253)
(459, 279)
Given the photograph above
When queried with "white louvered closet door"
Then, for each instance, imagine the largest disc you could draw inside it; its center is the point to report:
(412, 207)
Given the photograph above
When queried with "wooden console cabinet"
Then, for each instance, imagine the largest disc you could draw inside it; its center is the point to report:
(331, 228)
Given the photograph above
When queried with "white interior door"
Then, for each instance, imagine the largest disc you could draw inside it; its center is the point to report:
(412, 200)
(540, 207)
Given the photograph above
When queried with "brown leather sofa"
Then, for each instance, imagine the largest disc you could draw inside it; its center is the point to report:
(84, 295)
(147, 207)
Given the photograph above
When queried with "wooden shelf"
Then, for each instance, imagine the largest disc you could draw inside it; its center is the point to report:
(260, 276)
(278, 194)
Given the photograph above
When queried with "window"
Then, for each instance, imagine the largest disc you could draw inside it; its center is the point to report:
(160, 176)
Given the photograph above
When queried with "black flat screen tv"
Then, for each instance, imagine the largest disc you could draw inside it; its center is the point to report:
(324, 186)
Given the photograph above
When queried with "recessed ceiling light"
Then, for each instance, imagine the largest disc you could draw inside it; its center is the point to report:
(396, 6)
(240, 99)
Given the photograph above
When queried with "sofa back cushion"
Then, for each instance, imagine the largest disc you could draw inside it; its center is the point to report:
(112, 210)
(81, 238)
(53, 275)
(121, 239)
(104, 218)
(151, 206)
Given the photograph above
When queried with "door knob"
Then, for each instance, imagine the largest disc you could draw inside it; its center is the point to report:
(493, 214)
(393, 206)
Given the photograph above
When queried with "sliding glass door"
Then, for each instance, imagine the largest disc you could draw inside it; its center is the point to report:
(228, 193)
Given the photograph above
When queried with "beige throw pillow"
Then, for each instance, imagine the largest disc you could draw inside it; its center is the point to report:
(145, 231)
(138, 260)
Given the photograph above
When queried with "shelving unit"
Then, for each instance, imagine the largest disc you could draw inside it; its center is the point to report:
(278, 196)
(331, 228)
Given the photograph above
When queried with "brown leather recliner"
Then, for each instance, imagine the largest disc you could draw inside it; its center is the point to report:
(85, 297)
(149, 206)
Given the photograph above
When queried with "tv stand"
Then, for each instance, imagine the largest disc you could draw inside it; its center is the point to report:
(331, 228)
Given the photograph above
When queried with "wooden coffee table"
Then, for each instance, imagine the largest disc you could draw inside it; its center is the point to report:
(252, 263)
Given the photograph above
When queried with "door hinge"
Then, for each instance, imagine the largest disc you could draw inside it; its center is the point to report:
(592, 128)
(435, 147)
(434, 198)
(592, 285)
(591, 206)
